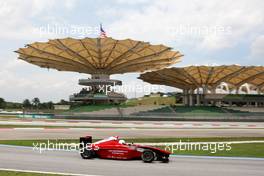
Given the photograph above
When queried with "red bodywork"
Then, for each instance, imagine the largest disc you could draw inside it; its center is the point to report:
(112, 148)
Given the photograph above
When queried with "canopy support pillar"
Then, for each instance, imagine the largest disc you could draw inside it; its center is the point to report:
(198, 98)
(191, 97)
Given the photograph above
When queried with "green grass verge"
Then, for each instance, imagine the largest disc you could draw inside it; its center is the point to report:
(12, 173)
(206, 111)
(90, 108)
(8, 116)
(199, 109)
(135, 140)
(152, 101)
(192, 111)
(161, 110)
(29, 143)
(207, 139)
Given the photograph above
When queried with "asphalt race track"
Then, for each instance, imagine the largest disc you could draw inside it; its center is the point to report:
(75, 133)
(70, 162)
(132, 129)
(130, 124)
(24, 158)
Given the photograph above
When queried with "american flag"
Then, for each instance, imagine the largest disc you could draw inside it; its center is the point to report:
(102, 32)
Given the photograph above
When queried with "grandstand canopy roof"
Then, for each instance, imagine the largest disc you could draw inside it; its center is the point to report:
(193, 77)
(99, 55)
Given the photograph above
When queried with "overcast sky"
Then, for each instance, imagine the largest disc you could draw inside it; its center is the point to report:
(208, 32)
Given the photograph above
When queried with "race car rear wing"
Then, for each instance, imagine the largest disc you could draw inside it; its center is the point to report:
(86, 140)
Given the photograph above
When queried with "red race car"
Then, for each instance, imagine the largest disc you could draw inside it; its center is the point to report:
(114, 148)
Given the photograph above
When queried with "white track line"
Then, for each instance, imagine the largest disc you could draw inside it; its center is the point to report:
(217, 157)
(184, 143)
(43, 172)
(28, 128)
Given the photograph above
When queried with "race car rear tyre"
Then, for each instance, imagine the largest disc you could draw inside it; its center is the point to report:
(148, 156)
(87, 154)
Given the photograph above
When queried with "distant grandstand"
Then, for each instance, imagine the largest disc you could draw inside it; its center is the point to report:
(226, 84)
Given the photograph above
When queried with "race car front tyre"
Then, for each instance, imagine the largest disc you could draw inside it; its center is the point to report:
(165, 159)
(87, 154)
(148, 156)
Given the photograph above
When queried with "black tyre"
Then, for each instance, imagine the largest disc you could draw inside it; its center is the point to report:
(165, 159)
(87, 154)
(148, 156)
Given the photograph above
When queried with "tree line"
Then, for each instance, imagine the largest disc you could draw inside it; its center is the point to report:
(35, 103)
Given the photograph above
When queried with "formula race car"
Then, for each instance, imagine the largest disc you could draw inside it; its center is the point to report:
(114, 148)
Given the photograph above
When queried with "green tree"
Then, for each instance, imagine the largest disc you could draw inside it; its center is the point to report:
(63, 102)
(26, 103)
(46, 105)
(50, 105)
(36, 102)
(2, 103)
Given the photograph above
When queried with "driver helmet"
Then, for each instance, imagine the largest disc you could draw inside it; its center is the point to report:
(122, 142)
